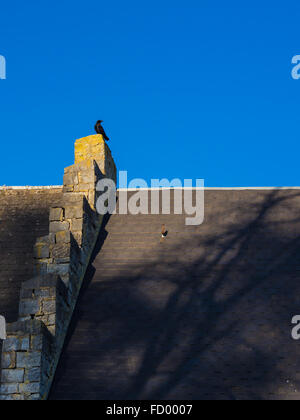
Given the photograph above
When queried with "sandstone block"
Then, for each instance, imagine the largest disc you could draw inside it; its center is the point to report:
(74, 212)
(29, 359)
(49, 306)
(63, 237)
(61, 250)
(56, 214)
(60, 269)
(33, 375)
(7, 389)
(77, 225)
(8, 360)
(29, 307)
(41, 251)
(11, 344)
(12, 376)
(59, 226)
(31, 388)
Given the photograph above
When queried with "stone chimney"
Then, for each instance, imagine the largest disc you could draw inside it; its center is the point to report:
(93, 161)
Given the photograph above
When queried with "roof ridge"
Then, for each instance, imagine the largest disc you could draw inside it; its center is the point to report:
(42, 187)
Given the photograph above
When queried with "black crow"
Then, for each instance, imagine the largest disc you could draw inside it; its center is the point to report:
(100, 130)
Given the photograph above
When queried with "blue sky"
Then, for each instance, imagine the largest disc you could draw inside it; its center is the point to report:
(194, 89)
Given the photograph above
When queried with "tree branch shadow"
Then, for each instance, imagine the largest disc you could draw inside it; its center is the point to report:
(208, 318)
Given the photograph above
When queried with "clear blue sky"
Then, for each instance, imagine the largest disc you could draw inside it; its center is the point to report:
(187, 89)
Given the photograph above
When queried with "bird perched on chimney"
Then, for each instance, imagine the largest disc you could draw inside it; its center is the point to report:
(100, 130)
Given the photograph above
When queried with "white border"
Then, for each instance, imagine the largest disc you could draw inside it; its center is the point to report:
(211, 188)
(49, 187)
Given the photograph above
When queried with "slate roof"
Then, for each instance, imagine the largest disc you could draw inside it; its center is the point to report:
(205, 315)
